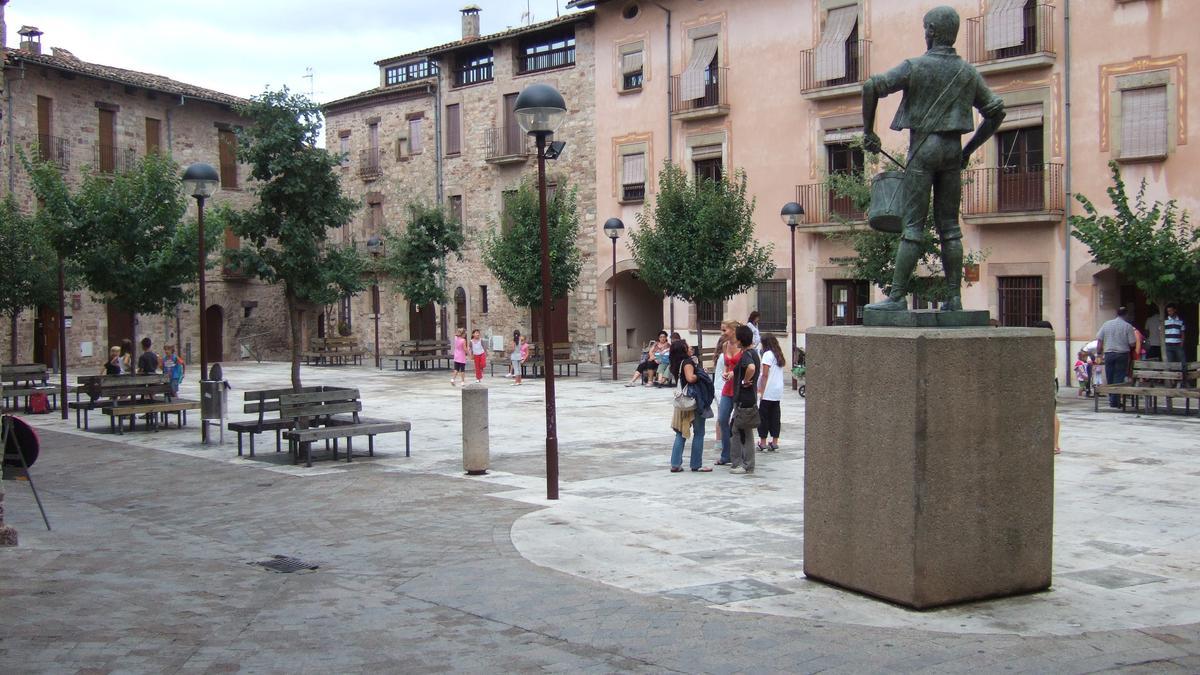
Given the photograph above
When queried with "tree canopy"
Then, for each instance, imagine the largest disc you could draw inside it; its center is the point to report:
(513, 251)
(416, 258)
(696, 242)
(29, 277)
(285, 234)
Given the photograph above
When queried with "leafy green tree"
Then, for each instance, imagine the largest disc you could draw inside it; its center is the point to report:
(417, 257)
(30, 276)
(285, 234)
(1154, 247)
(123, 234)
(875, 252)
(697, 241)
(513, 252)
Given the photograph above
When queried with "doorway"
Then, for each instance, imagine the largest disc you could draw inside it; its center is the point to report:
(45, 337)
(844, 301)
(460, 308)
(422, 322)
(120, 326)
(1021, 181)
(214, 326)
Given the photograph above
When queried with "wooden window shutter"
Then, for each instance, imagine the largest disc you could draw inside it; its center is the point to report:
(153, 135)
(453, 129)
(1144, 122)
(227, 154)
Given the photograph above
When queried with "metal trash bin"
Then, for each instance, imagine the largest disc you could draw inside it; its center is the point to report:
(214, 403)
(606, 354)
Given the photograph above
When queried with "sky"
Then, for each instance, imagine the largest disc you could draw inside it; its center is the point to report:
(241, 47)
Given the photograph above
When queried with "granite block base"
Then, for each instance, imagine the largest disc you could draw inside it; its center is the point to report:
(927, 318)
(929, 462)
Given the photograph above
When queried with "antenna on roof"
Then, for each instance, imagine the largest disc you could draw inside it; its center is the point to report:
(308, 75)
(527, 15)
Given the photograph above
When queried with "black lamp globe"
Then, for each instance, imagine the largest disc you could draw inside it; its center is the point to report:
(613, 227)
(200, 180)
(540, 109)
(791, 213)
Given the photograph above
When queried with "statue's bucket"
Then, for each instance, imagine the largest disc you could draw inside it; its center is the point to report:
(887, 202)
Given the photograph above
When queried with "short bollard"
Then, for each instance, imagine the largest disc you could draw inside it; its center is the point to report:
(475, 429)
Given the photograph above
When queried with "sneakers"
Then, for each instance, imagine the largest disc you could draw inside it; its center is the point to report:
(738, 469)
(452, 383)
(508, 374)
(771, 447)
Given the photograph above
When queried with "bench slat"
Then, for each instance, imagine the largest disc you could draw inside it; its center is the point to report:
(289, 411)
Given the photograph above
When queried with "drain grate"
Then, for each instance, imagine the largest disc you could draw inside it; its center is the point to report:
(285, 564)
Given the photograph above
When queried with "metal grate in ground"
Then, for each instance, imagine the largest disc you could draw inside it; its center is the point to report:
(285, 564)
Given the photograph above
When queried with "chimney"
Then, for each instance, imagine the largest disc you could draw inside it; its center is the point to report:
(470, 23)
(31, 39)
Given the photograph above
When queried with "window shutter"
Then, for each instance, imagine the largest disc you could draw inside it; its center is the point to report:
(691, 84)
(1144, 122)
(631, 63)
(414, 136)
(227, 154)
(453, 130)
(1022, 116)
(1004, 25)
(831, 50)
(633, 171)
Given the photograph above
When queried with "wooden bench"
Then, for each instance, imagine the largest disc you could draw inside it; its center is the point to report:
(1151, 381)
(262, 402)
(563, 361)
(124, 397)
(23, 380)
(334, 351)
(329, 408)
(104, 390)
(422, 355)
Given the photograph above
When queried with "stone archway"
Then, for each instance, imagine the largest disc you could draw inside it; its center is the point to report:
(639, 310)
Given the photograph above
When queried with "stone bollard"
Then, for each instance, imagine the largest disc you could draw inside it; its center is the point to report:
(8, 536)
(475, 429)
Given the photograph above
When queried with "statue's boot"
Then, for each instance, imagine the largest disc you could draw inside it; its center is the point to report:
(954, 304)
(952, 264)
(891, 304)
(906, 262)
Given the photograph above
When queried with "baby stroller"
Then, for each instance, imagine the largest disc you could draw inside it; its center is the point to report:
(798, 370)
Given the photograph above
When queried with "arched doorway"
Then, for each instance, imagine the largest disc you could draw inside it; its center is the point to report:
(214, 338)
(460, 308)
(639, 314)
(422, 322)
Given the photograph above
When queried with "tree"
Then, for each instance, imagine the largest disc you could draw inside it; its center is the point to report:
(123, 234)
(417, 257)
(513, 252)
(30, 276)
(697, 241)
(285, 234)
(875, 252)
(1154, 247)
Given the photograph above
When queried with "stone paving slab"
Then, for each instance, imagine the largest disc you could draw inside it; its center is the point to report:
(424, 569)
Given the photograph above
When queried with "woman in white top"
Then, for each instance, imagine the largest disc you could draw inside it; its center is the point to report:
(770, 391)
(752, 321)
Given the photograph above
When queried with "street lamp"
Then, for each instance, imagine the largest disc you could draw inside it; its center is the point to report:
(375, 247)
(540, 109)
(791, 214)
(201, 180)
(613, 228)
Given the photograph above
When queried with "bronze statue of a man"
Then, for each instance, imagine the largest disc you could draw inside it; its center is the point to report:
(940, 88)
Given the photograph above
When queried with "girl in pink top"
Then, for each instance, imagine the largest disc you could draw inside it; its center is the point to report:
(460, 356)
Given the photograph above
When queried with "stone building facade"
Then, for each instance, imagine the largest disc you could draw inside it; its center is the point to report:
(439, 128)
(91, 117)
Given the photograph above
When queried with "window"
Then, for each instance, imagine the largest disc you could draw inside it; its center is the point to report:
(414, 135)
(345, 316)
(50, 148)
(1020, 300)
(227, 151)
(543, 52)
(772, 305)
(1144, 123)
(632, 66)
(709, 315)
(1020, 185)
(1010, 28)
(483, 299)
(633, 177)
(453, 129)
(456, 208)
(844, 301)
(473, 67)
(106, 159)
(344, 147)
(708, 168)
(699, 78)
(374, 217)
(836, 55)
(407, 72)
(842, 158)
(460, 308)
(153, 135)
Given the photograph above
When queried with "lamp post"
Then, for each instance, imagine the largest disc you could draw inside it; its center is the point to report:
(375, 247)
(201, 181)
(791, 213)
(613, 228)
(540, 109)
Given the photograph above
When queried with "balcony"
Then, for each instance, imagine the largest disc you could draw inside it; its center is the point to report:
(111, 159)
(858, 69)
(714, 102)
(368, 164)
(1013, 195)
(1035, 51)
(507, 146)
(826, 211)
(54, 150)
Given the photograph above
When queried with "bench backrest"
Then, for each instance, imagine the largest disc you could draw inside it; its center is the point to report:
(110, 386)
(267, 400)
(320, 404)
(23, 372)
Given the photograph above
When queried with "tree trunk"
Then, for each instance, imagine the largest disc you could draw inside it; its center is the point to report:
(294, 317)
(12, 345)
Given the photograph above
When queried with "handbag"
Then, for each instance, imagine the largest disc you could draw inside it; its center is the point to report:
(682, 401)
(745, 418)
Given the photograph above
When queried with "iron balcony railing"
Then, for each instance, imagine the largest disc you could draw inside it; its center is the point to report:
(858, 66)
(634, 192)
(368, 163)
(1037, 33)
(54, 150)
(1038, 188)
(823, 206)
(111, 159)
(716, 92)
(506, 142)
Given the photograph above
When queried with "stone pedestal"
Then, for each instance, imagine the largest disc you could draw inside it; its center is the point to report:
(929, 462)
(476, 442)
(8, 536)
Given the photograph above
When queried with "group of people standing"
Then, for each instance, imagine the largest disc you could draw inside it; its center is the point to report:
(475, 349)
(746, 384)
(120, 362)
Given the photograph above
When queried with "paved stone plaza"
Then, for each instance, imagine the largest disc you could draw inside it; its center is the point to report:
(423, 569)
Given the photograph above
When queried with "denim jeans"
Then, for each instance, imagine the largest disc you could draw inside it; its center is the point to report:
(1116, 365)
(724, 410)
(697, 458)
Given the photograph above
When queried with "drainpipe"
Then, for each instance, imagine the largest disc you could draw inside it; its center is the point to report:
(670, 136)
(1067, 188)
(8, 99)
(437, 133)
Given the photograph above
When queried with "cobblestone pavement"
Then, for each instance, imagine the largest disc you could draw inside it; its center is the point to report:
(633, 570)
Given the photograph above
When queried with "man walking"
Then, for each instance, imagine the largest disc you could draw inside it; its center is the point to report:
(1172, 334)
(1115, 339)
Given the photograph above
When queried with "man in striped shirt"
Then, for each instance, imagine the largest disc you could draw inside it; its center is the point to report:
(1172, 334)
